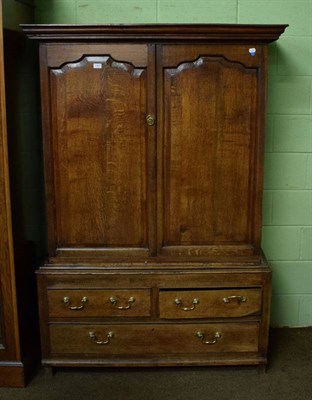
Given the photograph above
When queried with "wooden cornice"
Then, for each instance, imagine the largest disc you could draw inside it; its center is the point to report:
(220, 33)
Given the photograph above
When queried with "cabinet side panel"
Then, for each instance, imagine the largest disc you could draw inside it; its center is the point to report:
(99, 135)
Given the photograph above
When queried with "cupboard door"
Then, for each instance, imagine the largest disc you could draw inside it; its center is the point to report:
(209, 200)
(100, 146)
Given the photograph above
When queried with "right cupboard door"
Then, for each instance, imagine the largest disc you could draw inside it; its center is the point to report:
(210, 145)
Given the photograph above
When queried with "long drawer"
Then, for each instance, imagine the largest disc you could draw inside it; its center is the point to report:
(209, 303)
(154, 338)
(99, 303)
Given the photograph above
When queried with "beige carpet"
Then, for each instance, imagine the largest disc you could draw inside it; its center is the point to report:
(289, 377)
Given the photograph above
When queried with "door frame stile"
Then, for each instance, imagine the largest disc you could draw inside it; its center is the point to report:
(151, 151)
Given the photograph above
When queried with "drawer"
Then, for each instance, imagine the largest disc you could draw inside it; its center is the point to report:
(209, 303)
(114, 339)
(99, 303)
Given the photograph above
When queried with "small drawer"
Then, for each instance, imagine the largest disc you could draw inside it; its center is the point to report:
(209, 303)
(99, 303)
(118, 339)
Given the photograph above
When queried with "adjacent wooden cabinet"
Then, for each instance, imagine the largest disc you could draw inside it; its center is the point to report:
(19, 346)
(11, 365)
(153, 147)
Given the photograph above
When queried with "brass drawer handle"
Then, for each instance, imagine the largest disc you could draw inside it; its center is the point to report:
(93, 337)
(178, 302)
(240, 299)
(114, 301)
(201, 336)
(67, 301)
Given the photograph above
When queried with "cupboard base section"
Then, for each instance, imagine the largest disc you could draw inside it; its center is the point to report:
(107, 318)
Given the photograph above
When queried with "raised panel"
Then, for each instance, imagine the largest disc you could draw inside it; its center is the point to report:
(209, 130)
(100, 154)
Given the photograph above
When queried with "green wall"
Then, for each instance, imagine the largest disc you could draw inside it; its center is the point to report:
(17, 11)
(287, 230)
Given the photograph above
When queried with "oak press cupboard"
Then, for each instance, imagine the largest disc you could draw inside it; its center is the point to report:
(153, 154)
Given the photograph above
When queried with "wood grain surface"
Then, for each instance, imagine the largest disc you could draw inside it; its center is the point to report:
(153, 147)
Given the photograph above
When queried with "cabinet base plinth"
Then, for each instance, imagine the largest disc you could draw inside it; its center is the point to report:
(12, 375)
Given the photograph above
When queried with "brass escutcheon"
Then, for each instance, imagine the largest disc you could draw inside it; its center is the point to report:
(150, 119)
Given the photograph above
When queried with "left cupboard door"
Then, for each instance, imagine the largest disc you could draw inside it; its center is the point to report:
(99, 150)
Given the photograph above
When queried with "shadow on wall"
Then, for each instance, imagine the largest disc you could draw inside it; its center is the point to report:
(24, 142)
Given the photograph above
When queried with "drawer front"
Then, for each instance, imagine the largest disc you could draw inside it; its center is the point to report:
(99, 303)
(209, 303)
(154, 338)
